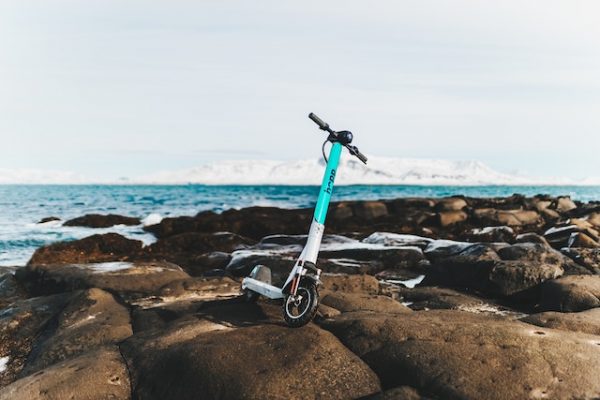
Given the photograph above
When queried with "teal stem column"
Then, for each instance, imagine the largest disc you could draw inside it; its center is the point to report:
(328, 181)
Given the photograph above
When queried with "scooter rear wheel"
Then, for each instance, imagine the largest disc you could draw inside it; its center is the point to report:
(300, 309)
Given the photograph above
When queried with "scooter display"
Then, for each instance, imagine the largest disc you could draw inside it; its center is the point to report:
(300, 291)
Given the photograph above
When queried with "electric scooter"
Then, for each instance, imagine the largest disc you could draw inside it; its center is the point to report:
(299, 293)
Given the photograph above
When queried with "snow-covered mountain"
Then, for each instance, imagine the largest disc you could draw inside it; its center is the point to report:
(380, 170)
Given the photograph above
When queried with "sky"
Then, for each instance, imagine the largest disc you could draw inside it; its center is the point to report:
(111, 89)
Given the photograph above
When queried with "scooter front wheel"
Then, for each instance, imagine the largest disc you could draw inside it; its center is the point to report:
(300, 309)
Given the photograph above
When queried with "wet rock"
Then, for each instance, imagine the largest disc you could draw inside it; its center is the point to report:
(207, 262)
(91, 319)
(102, 221)
(539, 253)
(565, 236)
(20, 324)
(531, 237)
(564, 204)
(189, 249)
(120, 277)
(447, 218)
(451, 204)
(95, 248)
(571, 293)
(96, 375)
(221, 362)
(10, 290)
(348, 302)
(48, 219)
(492, 234)
(439, 249)
(448, 353)
(397, 239)
(349, 283)
(581, 239)
(587, 321)
(396, 257)
(370, 210)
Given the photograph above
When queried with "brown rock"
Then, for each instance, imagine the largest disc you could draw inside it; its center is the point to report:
(95, 248)
(96, 375)
(253, 362)
(121, 277)
(587, 321)
(571, 293)
(350, 283)
(10, 290)
(102, 221)
(531, 237)
(564, 204)
(580, 239)
(348, 302)
(453, 354)
(447, 218)
(90, 320)
(431, 297)
(451, 204)
(369, 210)
(20, 324)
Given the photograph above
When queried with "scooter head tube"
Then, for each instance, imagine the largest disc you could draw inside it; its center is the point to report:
(328, 181)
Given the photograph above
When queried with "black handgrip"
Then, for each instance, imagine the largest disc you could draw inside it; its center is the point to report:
(361, 156)
(322, 125)
(355, 152)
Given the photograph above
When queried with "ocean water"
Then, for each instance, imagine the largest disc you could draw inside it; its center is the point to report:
(22, 206)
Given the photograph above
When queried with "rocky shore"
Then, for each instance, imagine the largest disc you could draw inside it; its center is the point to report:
(453, 298)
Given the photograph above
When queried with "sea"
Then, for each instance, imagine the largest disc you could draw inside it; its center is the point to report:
(23, 206)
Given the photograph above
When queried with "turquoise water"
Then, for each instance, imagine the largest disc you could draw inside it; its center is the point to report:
(21, 206)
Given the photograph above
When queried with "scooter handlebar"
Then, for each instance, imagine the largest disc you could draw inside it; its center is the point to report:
(322, 125)
(355, 152)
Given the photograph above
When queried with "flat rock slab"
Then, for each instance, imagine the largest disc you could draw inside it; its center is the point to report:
(91, 319)
(121, 277)
(457, 355)
(348, 302)
(97, 375)
(20, 324)
(265, 361)
(587, 321)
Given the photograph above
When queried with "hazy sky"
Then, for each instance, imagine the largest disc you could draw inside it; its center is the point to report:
(122, 88)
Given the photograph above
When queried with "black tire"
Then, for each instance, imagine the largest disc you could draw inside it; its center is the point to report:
(249, 296)
(300, 311)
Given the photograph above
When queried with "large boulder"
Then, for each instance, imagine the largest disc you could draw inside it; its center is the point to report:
(447, 218)
(587, 321)
(571, 293)
(96, 375)
(120, 277)
(456, 355)
(91, 319)
(102, 221)
(263, 361)
(95, 248)
(20, 325)
(478, 267)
